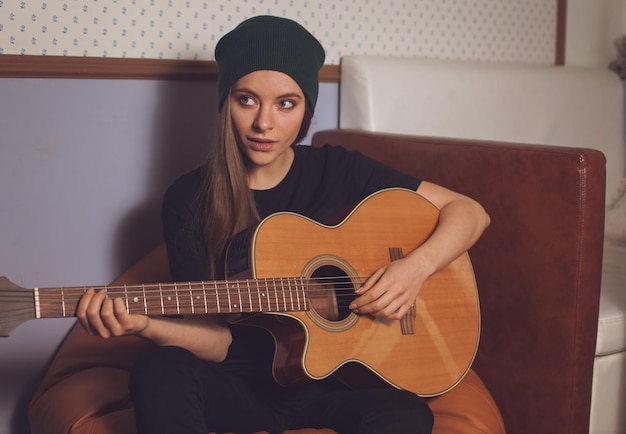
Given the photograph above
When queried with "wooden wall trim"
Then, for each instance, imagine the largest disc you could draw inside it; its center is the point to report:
(561, 29)
(115, 68)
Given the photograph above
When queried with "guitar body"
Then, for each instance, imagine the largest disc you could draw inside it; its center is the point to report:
(427, 352)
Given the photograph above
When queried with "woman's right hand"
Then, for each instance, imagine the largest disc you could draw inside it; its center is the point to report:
(105, 317)
(207, 336)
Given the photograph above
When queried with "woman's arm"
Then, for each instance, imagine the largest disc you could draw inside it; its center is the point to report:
(391, 291)
(207, 336)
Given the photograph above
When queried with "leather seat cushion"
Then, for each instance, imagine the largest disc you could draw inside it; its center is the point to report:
(86, 391)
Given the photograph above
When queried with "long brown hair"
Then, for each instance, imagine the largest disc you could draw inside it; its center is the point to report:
(225, 203)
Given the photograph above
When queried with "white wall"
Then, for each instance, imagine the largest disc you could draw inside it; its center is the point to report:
(83, 165)
(592, 28)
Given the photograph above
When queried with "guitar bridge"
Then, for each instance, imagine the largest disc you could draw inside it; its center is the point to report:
(407, 323)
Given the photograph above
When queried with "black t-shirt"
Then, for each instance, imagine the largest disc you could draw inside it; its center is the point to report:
(320, 183)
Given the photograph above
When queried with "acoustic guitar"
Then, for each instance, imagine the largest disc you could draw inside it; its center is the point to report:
(296, 278)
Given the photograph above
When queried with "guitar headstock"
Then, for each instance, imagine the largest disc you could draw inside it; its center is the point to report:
(17, 305)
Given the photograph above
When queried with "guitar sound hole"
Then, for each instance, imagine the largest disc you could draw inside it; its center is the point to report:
(331, 291)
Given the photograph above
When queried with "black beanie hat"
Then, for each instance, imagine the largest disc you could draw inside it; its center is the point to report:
(270, 43)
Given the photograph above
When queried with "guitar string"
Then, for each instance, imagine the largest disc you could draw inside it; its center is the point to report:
(182, 287)
(45, 299)
(181, 292)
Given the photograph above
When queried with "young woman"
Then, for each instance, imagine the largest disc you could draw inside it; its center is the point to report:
(206, 374)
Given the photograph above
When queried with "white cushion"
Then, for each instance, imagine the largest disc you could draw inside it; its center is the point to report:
(567, 106)
(607, 395)
(615, 229)
(612, 321)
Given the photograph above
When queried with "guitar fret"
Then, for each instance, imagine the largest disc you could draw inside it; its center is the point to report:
(258, 291)
(63, 302)
(268, 296)
(303, 286)
(170, 301)
(295, 305)
(282, 288)
(262, 295)
(239, 295)
(184, 298)
(161, 296)
(206, 306)
(198, 296)
(217, 298)
(275, 294)
(269, 300)
(131, 303)
(295, 283)
(290, 293)
(145, 301)
(126, 298)
(301, 294)
(176, 296)
(228, 293)
(249, 295)
(193, 308)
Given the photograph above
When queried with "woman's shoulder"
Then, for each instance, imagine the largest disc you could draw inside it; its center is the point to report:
(325, 154)
(185, 187)
(191, 178)
(321, 150)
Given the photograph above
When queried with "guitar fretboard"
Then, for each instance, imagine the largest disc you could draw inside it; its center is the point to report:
(236, 296)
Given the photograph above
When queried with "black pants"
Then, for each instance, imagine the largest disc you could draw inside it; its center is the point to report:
(175, 392)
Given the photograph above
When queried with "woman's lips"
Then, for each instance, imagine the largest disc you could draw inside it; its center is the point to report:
(261, 144)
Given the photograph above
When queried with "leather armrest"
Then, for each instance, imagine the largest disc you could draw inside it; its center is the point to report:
(537, 267)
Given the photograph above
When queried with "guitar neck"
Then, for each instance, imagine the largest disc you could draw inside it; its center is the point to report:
(232, 296)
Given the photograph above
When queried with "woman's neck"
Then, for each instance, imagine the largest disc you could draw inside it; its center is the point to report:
(269, 176)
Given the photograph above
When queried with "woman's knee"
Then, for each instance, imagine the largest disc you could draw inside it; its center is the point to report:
(411, 405)
(400, 411)
(163, 367)
(165, 386)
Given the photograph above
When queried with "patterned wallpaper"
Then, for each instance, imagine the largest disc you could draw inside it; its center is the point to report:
(497, 30)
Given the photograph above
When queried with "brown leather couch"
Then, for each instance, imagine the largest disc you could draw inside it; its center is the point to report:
(538, 273)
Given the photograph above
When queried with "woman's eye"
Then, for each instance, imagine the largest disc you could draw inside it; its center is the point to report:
(287, 104)
(246, 100)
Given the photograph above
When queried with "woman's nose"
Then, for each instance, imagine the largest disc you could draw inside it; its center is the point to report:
(264, 119)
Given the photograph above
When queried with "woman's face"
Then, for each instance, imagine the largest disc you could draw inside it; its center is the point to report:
(267, 109)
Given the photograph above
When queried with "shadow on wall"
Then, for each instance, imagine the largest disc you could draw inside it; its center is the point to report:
(184, 114)
(184, 125)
